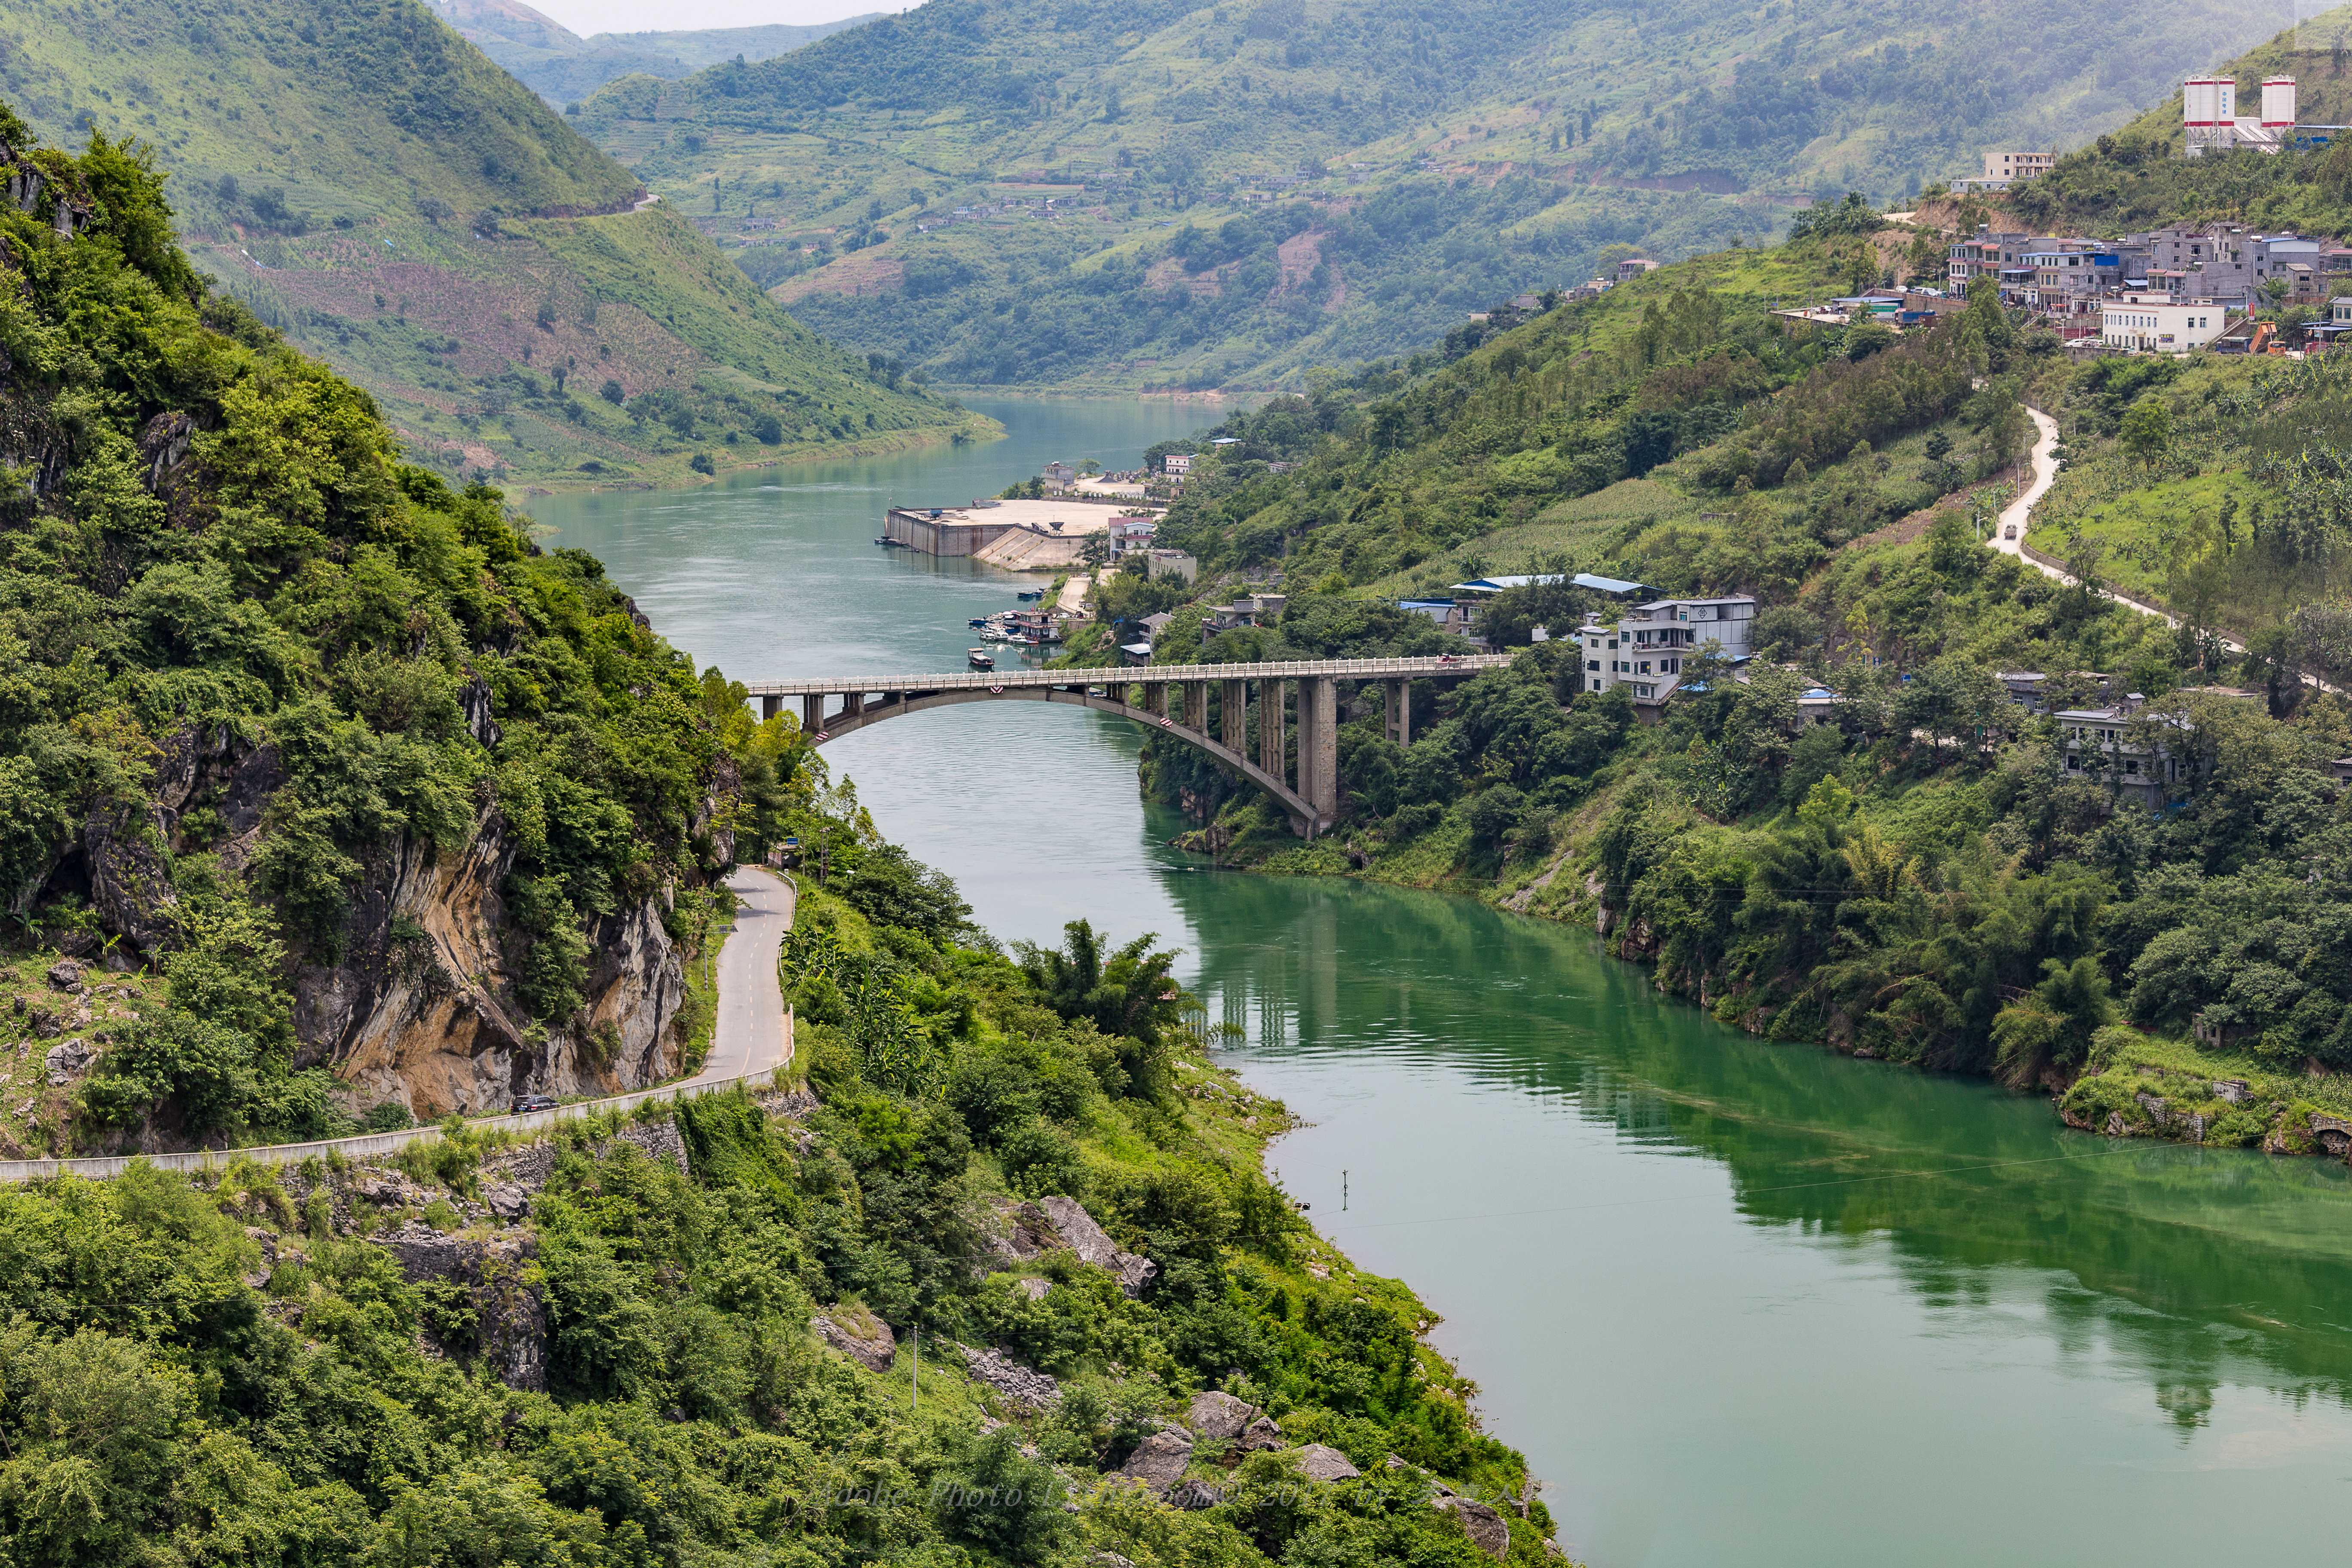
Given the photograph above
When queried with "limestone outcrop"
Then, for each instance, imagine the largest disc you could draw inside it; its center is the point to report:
(506, 1326)
(1024, 1231)
(859, 1335)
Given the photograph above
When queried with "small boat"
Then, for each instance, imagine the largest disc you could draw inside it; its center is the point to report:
(890, 543)
(994, 634)
(1030, 596)
(978, 623)
(979, 658)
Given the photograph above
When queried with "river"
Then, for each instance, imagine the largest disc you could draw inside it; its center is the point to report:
(1739, 1303)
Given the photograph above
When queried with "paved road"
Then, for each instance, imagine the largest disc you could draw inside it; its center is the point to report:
(749, 1036)
(2020, 512)
(2045, 474)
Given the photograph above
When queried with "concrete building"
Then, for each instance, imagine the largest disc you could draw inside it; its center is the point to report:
(1985, 254)
(2105, 745)
(1647, 646)
(1132, 531)
(1176, 465)
(2008, 166)
(2070, 275)
(1158, 563)
(1633, 267)
(2156, 323)
(973, 527)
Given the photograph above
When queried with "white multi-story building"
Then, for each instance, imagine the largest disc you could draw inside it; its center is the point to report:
(2156, 324)
(1646, 647)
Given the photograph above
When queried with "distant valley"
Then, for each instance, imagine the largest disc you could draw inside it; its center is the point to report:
(521, 309)
(564, 67)
(1155, 195)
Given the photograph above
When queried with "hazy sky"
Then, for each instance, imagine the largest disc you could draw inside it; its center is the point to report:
(586, 17)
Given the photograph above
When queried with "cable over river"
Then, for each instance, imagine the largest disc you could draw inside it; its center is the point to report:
(1739, 1303)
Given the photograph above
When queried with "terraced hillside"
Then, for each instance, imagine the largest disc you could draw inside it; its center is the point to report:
(1241, 192)
(368, 183)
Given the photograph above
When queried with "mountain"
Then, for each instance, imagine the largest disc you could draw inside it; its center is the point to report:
(368, 183)
(562, 66)
(1242, 191)
(2135, 177)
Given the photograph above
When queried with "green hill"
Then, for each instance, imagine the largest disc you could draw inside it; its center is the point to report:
(368, 183)
(1246, 191)
(562, 66)
(2137, 176)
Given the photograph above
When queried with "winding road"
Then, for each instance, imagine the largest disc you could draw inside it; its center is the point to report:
(2019, 512)
(751, 1036)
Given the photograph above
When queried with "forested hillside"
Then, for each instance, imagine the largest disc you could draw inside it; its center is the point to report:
(2136, 178)
(1914, 870)
(1242, 193)
(564, 67)
(288, 724)
(370, 184)
(342, 800)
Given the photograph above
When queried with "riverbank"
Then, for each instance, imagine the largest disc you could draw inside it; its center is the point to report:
(678, 471)
(2130, 1083)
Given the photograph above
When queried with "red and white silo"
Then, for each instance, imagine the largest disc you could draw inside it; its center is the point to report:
(2200, 101)
(2278, 103)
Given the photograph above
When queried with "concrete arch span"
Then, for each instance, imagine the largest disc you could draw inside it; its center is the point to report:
(1302, 813)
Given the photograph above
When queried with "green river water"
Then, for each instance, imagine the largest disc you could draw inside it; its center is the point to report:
(1739, 1303)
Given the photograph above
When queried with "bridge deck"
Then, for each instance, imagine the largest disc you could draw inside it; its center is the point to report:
(1342, 668)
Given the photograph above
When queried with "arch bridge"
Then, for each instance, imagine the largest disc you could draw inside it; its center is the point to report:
(1277, 725)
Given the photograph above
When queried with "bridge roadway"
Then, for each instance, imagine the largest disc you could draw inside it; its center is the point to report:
(1277, 725)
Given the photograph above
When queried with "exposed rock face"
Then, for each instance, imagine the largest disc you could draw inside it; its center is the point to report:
(1079, 1232)
(1022, 1385)
(64, 1061)
(1487, 1528)
(1196, 1494)
(1218, 1416)
(1260, 1434)
(421, 1010)
(510, 1317)
(130, 881)
(420, 1006)
(871, 1343)
(1318, 1463)
(1159, 1459)
(2233, 1090)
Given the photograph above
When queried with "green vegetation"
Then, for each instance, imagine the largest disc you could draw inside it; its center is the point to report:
(2136, 177)
(1243, 192)
(252, 1368)
(370, 186)
(248, 654)
(1920, 876)
(564, 67)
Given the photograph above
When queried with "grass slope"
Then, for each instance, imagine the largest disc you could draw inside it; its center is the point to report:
(562, 66)
(1393, 167)
(372, 186)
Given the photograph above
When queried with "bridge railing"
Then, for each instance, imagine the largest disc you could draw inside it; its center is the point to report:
(1341, 668)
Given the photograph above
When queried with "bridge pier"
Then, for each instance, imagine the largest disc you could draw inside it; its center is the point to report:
(1232, 716)
(1272, 752)
(1400, 713)
(1319, 745)
(769, 707)
(811, 712)
(1196, 707)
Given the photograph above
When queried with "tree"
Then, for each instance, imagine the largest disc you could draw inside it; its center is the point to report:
(1131, 994)
(2147, 430)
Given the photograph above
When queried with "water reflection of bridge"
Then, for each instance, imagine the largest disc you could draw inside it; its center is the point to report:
(1275, 724)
